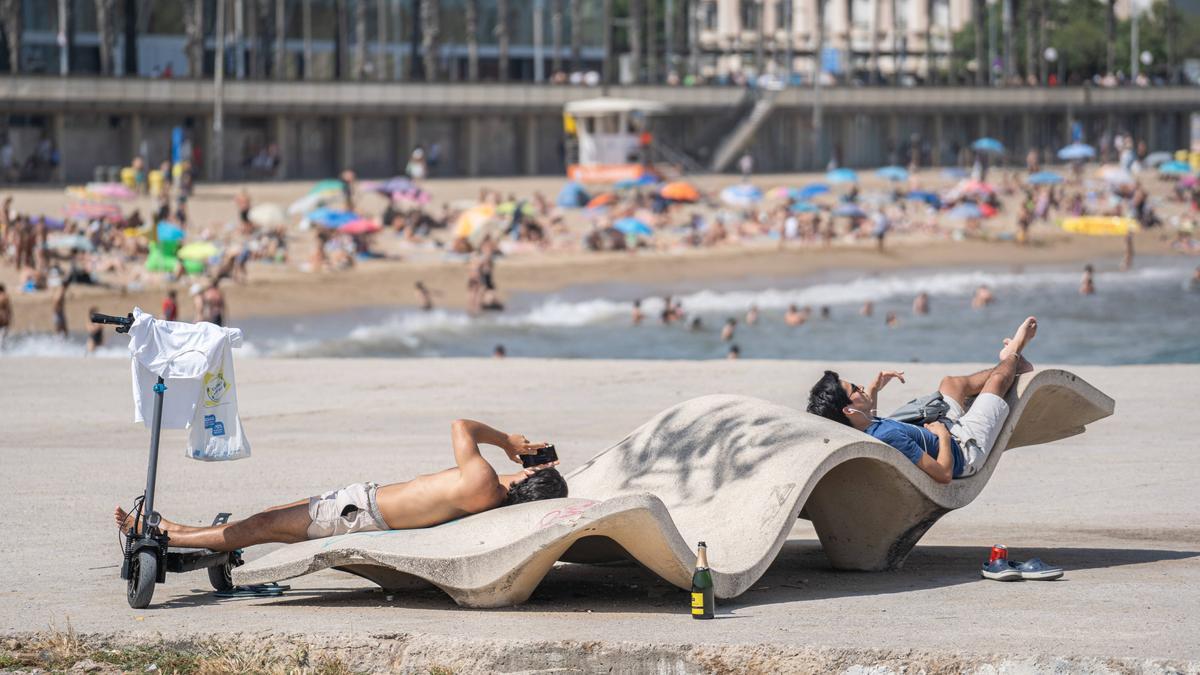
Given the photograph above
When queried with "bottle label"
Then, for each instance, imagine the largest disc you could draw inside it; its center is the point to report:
(697, 603)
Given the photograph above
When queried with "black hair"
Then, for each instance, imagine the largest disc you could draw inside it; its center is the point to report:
(827, 398)
(543, 484)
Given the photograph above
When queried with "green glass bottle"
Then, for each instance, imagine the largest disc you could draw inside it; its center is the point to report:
(702, 586)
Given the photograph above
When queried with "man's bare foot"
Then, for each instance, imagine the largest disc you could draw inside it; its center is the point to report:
(1023, 364)
(124, 520)
(1024, 334)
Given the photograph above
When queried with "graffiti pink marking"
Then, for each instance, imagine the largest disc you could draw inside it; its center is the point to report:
(567, 515)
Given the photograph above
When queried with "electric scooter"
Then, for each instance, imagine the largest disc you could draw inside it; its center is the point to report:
(147, 551)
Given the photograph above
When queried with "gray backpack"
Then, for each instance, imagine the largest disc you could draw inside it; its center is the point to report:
(922, 410)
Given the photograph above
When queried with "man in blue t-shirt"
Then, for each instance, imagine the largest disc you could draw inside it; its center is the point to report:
(945, 453)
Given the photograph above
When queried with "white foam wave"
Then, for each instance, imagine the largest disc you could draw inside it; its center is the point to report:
(53, 346)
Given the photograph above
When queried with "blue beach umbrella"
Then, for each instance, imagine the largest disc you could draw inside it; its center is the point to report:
(1044, 178)
(842, 176)
(966, 211)
(1175, 168)
(741, 195)
(927, 197)
(572, 196)
(641, 181)
(895, 174)
(1076, 151)
(332, 218)
(804, 207)
(812, 190)
(954, 172)
(633, 226)
(988, 145)
(168, 231)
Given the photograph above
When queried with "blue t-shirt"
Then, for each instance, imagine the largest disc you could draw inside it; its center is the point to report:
(913, 441)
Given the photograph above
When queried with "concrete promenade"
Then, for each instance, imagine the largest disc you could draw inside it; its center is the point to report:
(1116, 507)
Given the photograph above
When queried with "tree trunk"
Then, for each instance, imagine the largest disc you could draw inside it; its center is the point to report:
(876, 19)
(897, 38)
(1110, 32)
(931, 69)
(981, 26)
(606, 25)
(430, 28)
(279, 63)
(264, 36)
(556, 36)
(1043, 71)
(340, 38)
(651, 36)
(104, 30)
(576, 35)
(12, 33)
(381, 39)
(637, 14)
(193, 22)
(1030, 11)
(360, 39)
(473, 40)
(502, 39)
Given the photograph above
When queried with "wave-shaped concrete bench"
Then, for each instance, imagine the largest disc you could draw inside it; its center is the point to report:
(731, 470)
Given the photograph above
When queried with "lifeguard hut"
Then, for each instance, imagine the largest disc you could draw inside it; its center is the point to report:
(609, 139)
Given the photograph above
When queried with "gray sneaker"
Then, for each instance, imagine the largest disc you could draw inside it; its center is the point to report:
(1036, 570)
(1000, 570)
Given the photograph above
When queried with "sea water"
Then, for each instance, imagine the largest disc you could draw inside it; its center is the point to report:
(1147, 315)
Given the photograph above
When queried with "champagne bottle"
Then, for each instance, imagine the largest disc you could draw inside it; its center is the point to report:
(702, 586)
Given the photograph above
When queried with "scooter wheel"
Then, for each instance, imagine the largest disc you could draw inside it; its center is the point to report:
(142, 577)
(221, 576)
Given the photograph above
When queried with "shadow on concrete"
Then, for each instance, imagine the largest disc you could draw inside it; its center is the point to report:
(801, 573)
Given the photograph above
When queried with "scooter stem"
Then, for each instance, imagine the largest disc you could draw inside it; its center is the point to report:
(152, 518)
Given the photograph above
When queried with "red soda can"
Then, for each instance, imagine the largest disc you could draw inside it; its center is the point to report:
(999, 552)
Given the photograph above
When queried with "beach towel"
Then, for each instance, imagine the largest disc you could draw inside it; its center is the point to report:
(196, 364)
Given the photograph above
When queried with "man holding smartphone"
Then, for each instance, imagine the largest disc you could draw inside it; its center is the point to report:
(470, 487)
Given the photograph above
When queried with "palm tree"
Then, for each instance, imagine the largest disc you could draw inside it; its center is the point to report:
(930, 54)
(473, 40)
(381, 39)
(193, 30)
(10, 14)
(104, 29)
(339, 40)
(637, 13)
(897, 36)
(1110, 31)
(981, 65)
(502, 38)
(430, 28)
(556, 35)
(606, 26)
(279, 62)
(360, 39)
(576, 35)
(1030, 12)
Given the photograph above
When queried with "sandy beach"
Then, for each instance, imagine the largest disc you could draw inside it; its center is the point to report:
(1115, 506)
(275, 289)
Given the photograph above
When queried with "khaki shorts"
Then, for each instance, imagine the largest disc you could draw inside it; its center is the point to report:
(350, 509)
(976, 429)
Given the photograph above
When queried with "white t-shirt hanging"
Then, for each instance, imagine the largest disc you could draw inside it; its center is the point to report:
(196, 365)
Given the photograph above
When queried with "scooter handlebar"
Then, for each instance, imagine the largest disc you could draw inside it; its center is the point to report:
(121, 322)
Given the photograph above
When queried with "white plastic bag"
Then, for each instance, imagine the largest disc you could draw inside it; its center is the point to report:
(216, 430)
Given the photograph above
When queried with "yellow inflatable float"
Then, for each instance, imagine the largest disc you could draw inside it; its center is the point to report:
(1104, 226)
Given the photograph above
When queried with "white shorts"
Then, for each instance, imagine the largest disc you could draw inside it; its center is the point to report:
(976, 429)
(350, 509)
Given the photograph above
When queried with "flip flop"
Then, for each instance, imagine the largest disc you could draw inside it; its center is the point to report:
(1000, 570)
(1036, 570)
(268, 590)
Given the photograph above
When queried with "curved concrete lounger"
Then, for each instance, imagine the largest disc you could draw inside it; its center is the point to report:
(731, 470)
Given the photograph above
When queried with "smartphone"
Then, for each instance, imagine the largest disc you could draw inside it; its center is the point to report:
(543, 456)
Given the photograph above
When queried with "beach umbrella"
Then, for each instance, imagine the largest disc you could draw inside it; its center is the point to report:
(602, 199)
(52, 224)
(1155, 158)
(849, 211)
(643, 180)
(572, 196)
(1076, 152)
(954, 172)
(633, 226)
(198, 250)
(988, 145)
(110, 191)
(895, 174)
(1187, 181)
(92, 210)
(308, 203)
(332, 218)
(473, 219)
(360, 226)
(927, 197)
(680, 191)
(1100, 226)
(842, 176)
(1115, 175)
(267, 215)
(168, 231)
(804, 207)
(388, 186)
(965, 211)
(509, 208)
(812, 190)
(327, 186)
(1175, 168)
(1044, 178)
(71, 242)
(975, 187)
(742, 195)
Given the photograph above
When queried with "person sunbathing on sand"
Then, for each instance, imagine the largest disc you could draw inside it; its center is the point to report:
(944, 453)
(472, 486)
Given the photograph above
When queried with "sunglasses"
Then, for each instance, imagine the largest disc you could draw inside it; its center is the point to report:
(855, 389)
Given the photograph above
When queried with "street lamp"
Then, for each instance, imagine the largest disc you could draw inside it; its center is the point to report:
(1051, 56)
